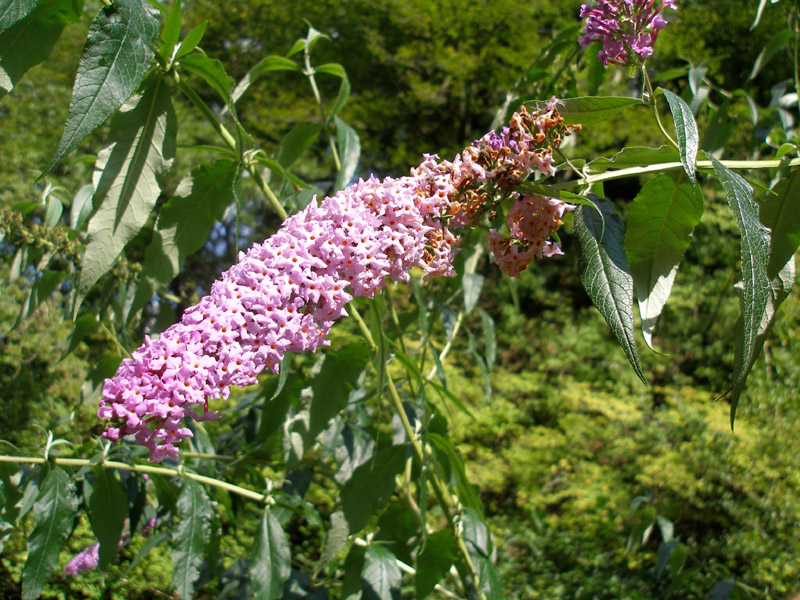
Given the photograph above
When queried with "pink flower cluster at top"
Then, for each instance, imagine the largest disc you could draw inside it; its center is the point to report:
(285, 294)
(627, 28)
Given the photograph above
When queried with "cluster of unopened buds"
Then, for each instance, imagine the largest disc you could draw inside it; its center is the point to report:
(286, 293)
(627, 28)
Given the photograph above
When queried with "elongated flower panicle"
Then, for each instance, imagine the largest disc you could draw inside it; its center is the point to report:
(627, 28)
(285, 293)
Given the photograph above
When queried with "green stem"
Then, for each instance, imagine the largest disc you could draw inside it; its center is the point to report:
(111, 464)
(654, 106)
(669, 166)
(309, 72)
(231, 143)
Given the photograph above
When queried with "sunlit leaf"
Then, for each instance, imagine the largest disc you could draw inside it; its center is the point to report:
(126, 178)
(270, 561)
(54, 511)
(605, 272)
(117, 54)
(588, 110)
(191, 537)
(349, 153)
(686, 131)
(270, 63)
(381, 575)
(660, 223)
(780, 211)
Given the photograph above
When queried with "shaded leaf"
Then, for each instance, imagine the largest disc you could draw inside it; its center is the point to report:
(270, 63)
(588, 110)
(154, 540)
(296, 142)
(117, 54)
(54, 511)
(454, 469)
(686, 131)
(371, 486)
(434, 561)
(356, 448)
(108, 508)
(381, 575)
(185, 222)
(756, 286)
(335, 540)
(212, 72)
(126, 178)
(772, 47)
(270, 562)
(660, 223)
(332, 385)
(191, 537)
(605, 273)
(780, 211)
(28, 34)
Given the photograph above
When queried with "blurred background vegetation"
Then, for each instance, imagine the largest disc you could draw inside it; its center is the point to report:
(573, 456)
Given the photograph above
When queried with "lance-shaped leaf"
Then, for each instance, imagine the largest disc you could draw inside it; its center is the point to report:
(28, 33)
(191, 537)
(270, 564)
(605, 273)
(108, 508)
(212, 72)
(660, 224)
(756, 287)
(588, 110)
(185, 222)
(686, 130)
(349, 151)
(126, 178)
(117, 54)
(54, 511)
(380, 579)
(371, 486)
(780, 211)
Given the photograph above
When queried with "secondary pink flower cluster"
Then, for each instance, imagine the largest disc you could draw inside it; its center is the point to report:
(531, 221)
(88, 558)
(286, 293)
(627, 28)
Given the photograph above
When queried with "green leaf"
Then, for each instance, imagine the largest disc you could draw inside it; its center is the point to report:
(434, 561)
(780, 211)
(489, 337)
(270, 562)
(757, 289)
(588, 110)
(605, 273)
(192, 39)
(371, 486)
(185, 222)
(81, 207)
(660, 224)
(357, 448)
(333, 384)
(212, 72)
(117, 54)
(472, 285)
(270, 63)
(14, 11)
(171, 32)
(191, 537)
(349, 152)
(40, 292)
(335, 540)
(353, 567)
(767, 52)
(341, 97)
(126, 178)
(491, 585)
(635, 156)
(108, 508)
(453, 465)
(686, 130)
(154, 540)
(28, 33)
(550, 191)
(380, 579)
(54, 511)
(296, 142)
